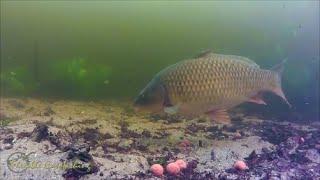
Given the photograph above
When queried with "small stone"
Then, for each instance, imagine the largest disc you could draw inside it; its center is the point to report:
(112, 142)
(213, 155)
(81, 152)
(125, 144)
(237, 135)
(7, 146)
(301, 140)
(8, 139)
(200, 143)
(111, 150)
(39, 133)
(98, 152)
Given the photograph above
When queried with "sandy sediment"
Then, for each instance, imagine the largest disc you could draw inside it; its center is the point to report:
(108, 140)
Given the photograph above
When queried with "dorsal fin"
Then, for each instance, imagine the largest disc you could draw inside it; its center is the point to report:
(204, 53)
(278, 68)
(244, 59)
(207, 53)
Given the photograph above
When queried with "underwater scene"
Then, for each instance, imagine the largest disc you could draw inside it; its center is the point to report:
(159, 90)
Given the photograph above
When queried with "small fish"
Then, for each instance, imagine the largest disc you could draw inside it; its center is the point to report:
(209, 84)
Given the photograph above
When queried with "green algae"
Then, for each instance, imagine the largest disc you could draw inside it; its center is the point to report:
(18, 81)
(77, 77)
(8, 121)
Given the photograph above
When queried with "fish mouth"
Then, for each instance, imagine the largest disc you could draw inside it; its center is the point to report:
(136, 109)
(136, 106)
(140, 109)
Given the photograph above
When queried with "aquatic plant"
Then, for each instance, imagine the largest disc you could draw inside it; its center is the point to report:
(5, 122)
(77, 77)
(17, 81)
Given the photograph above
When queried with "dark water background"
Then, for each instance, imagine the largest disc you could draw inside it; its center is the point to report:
(101, 50)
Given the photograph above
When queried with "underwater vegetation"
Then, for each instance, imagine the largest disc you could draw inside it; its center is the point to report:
(76, 77)
(73, 77)
(18, 81)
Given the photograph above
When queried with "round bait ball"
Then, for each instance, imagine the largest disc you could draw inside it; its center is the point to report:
(173, 168)
(181, 163)
(157, 170)
(240, 165)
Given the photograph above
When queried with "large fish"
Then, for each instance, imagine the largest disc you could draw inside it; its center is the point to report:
(209, 84)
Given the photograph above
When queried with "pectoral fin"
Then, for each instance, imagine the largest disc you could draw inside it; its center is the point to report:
(220, 116)
(257, 99)
(171, 110)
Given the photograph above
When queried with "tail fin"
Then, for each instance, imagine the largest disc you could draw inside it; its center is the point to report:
(277, 89)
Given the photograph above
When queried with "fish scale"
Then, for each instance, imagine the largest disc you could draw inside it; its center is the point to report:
(209, 84)
(215, 79)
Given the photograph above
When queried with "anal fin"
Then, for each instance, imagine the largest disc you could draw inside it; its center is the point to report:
(220, 116)
(257, 99)
(278, 91)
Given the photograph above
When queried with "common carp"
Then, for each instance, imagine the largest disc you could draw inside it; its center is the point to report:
(209, 84)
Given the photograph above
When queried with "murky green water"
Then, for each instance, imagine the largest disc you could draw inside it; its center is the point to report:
(112, 49)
